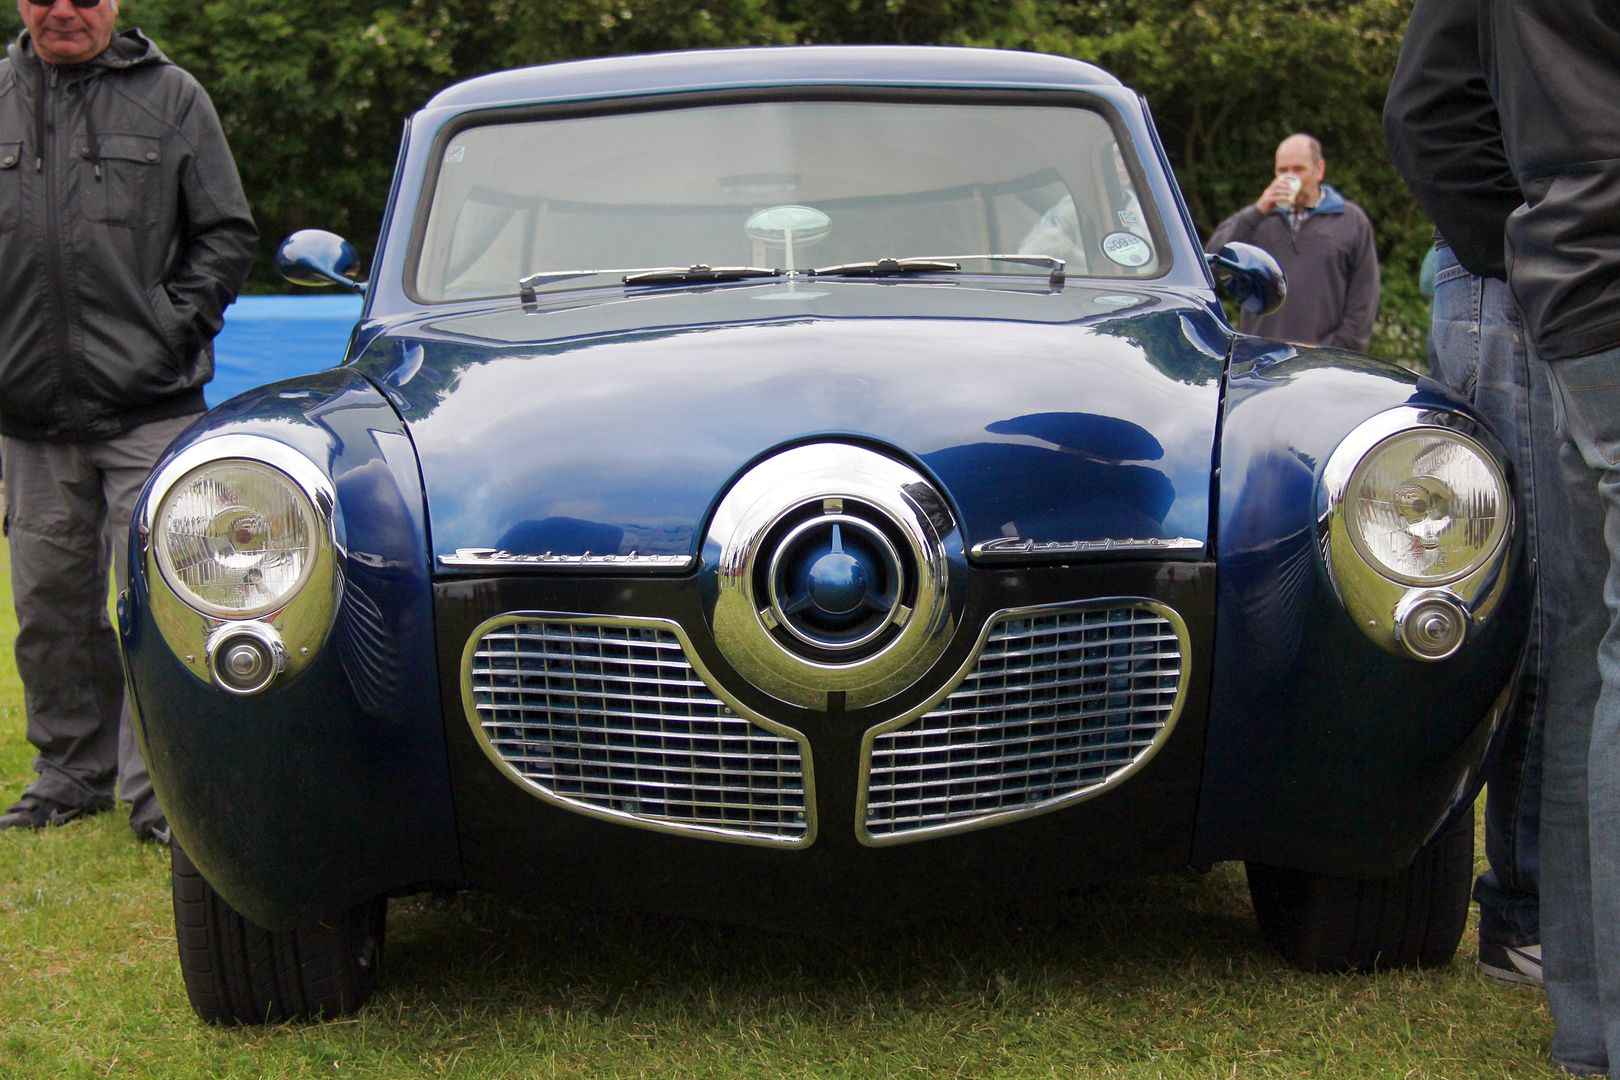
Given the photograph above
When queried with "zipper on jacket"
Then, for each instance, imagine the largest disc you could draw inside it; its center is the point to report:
(55, 244)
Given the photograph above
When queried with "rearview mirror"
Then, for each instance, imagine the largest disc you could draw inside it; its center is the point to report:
(317, 258)
(1249, 277)
(789, 226)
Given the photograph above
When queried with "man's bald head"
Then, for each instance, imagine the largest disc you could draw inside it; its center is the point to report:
(1301, 155)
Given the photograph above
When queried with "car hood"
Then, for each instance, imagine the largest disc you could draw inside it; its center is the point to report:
(611, 423)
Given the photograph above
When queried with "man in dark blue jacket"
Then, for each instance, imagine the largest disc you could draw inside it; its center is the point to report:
(124, 234)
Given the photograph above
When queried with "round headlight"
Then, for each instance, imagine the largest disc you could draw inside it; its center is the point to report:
(1427, 506)
(236, 538)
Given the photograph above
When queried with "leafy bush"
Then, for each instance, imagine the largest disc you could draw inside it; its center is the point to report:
(313, 94)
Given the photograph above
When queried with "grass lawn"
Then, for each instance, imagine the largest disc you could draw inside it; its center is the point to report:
(1165, 977)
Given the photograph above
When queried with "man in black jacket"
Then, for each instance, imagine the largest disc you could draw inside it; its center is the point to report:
(1552, 71)
(124, 234)
(1446, 142)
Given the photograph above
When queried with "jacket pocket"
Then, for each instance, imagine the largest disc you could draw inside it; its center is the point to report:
(10, 184)
(168, 324)
(128, 192)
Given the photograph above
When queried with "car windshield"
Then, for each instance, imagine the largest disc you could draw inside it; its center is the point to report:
(791, 185)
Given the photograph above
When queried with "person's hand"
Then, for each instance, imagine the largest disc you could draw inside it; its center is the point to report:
(1282, 191)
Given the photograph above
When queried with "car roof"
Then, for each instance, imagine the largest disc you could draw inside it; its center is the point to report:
(824, 65)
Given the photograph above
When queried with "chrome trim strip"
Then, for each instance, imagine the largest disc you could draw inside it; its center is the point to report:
(551, 560)
(471, 708)
(1017, 548)
(1373, 598)
(969, 666)
(306, 618)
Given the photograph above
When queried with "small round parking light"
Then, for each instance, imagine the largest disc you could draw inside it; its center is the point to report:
(245, 658)
(1431, 626)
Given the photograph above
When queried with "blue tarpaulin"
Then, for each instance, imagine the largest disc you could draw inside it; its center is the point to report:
(267, 338)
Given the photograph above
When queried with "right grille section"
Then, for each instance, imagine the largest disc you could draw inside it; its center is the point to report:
(1058, 704)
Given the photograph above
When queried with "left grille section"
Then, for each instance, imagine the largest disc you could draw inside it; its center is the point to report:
(611, 717)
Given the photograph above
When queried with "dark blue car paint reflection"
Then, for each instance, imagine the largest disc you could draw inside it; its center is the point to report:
(922, 383)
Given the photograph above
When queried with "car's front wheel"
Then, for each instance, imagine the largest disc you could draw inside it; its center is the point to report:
(1413, 918)
(239, 973)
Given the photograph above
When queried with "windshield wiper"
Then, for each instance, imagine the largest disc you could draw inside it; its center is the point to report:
(676, 275)
(1054, 266)
(645, 275)
(886, 268)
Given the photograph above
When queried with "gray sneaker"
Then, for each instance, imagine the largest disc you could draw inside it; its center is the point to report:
(1518, 965)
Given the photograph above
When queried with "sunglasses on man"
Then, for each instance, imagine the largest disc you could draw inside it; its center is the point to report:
(76, 3)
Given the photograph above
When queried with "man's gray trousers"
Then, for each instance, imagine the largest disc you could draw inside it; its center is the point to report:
(68, 507)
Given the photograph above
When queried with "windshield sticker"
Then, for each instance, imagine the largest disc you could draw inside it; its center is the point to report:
(454, 154)
(1127, 249)
(1130, 219)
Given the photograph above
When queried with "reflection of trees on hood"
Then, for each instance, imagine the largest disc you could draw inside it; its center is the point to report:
(1169, 345)
(1303, 359)
(1088, 469)
(421, 374)
(1099, 438)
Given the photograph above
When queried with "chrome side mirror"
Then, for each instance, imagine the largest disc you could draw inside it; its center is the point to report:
(317, 258)
(1249, 277)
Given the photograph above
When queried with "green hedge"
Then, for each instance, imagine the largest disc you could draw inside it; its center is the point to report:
(313, 94)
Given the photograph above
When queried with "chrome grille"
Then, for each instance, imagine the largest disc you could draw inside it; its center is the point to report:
(611, 717)
(1058, 705)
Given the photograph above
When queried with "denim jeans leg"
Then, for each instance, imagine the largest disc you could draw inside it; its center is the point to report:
(1581, 779)
(1477, 349)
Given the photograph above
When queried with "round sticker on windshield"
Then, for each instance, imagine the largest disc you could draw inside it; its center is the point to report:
(1127, 249)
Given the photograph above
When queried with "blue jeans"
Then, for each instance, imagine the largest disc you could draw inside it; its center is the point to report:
(1477, 349)
(1580, 828)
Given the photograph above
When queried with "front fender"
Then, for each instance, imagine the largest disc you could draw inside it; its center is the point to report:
(1325, 752)
(331, 787)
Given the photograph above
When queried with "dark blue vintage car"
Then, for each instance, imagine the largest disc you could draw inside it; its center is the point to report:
(811, 487)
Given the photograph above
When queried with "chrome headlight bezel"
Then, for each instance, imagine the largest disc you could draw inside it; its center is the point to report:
(1378, 597)
(1391, 444)
(299, 618)
(301, 504)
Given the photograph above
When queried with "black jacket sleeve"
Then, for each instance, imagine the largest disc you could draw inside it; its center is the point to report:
(1444, 135)
(1553, 67)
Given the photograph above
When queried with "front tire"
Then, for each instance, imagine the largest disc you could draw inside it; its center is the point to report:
(1413, 918)
(239, 973)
